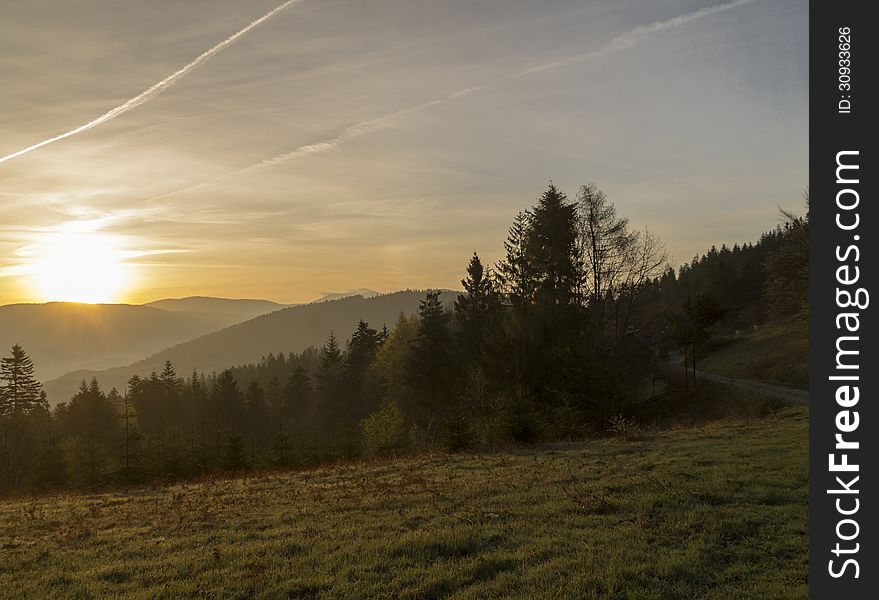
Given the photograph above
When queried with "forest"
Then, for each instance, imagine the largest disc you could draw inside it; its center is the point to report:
(548, 344)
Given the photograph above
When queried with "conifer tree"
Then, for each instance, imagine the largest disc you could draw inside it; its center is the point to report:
(229, 401)
(552, 248)
(478, 308)
(515, 270)
(20, 392)
(431, 370)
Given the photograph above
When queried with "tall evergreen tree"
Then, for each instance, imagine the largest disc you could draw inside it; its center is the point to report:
(431, 365)
(20, 392)
(552, 248)
(477, 309)
(229, 402)
(329, 383)
(515, 270)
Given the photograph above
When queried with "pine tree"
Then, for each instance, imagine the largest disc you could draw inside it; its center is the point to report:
(552, 248)
(298, 395)
(515, 270)
(20, 392)
(228, 401)
(431, 370)
(255, 410)
(329, 383)
(477, 309)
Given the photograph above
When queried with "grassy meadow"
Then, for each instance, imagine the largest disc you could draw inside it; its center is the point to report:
(776, 352)
(714, 509)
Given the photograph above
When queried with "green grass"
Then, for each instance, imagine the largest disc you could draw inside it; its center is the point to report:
(775, 352)
(715, 511)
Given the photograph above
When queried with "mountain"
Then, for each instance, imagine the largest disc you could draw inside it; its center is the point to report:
(365, 292)
(63, 336)
(234, 310)
(290, 329)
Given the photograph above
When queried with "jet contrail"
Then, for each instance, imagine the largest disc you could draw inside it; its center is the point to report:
(347, 134)
(354, 131)
(633, 36)
(617, 44)
(158, 88)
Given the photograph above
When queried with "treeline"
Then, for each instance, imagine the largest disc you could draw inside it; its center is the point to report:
(546, 344)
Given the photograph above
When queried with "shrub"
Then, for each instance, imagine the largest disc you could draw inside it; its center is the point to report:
(384, 430)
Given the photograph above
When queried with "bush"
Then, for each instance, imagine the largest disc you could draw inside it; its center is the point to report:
(384, 430)
(622, 427)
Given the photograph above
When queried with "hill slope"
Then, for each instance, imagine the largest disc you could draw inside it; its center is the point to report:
(235, 310)
(64, 336)
(61, 336)
(291, 329)
(714, 512)
(775, 352)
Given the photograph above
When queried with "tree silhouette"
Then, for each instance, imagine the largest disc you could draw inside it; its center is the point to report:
(20, 392)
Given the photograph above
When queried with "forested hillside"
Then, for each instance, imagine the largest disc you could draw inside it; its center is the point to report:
(291, 329)
(551, 343)
(63, 336)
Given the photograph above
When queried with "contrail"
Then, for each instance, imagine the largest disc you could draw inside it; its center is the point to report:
(617, 44)
(347, 134)
(633, 36)
(354, 131)
(158, 88)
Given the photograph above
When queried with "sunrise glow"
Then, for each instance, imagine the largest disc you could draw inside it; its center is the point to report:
(78, 266)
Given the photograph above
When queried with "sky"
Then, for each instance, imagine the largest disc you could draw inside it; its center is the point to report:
(341, 144)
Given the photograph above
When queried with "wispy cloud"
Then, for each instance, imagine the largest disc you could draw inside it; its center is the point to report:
(618, 44)
(349, 133)
(156, 89)
(355, 131)
(633, 37)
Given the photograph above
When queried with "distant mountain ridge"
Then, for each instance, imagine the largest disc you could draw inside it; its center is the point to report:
(240, 308)
(365, 292)
(63, 336)
(290, 329)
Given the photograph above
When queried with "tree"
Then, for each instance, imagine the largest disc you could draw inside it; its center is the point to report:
(298, 396)
(229, 401)
(616, 264)
(787, 268)
(478, 308)
(20, 392)
(691, 326)
(329, 383)
(515, 271)
(362, 347)
(92, 425)
(431, 366)
(256, 413)
(551, 248)
(233, 454)
(603, 240)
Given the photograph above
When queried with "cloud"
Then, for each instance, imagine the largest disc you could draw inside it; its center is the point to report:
(156, 89)
(349, 133)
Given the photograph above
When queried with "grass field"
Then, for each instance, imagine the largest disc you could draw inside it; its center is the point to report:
(710, 511)
(776, 352)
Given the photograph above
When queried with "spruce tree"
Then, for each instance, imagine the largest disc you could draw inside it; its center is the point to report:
(329, 383)
(20, 392)
(516, 274)
(552, 248)
(477, 309)
(431, 370)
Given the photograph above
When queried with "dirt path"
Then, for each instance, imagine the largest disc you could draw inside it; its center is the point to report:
(674, 372)
(770, 389)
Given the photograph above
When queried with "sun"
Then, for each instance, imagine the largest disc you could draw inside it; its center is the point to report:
(78, 266)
